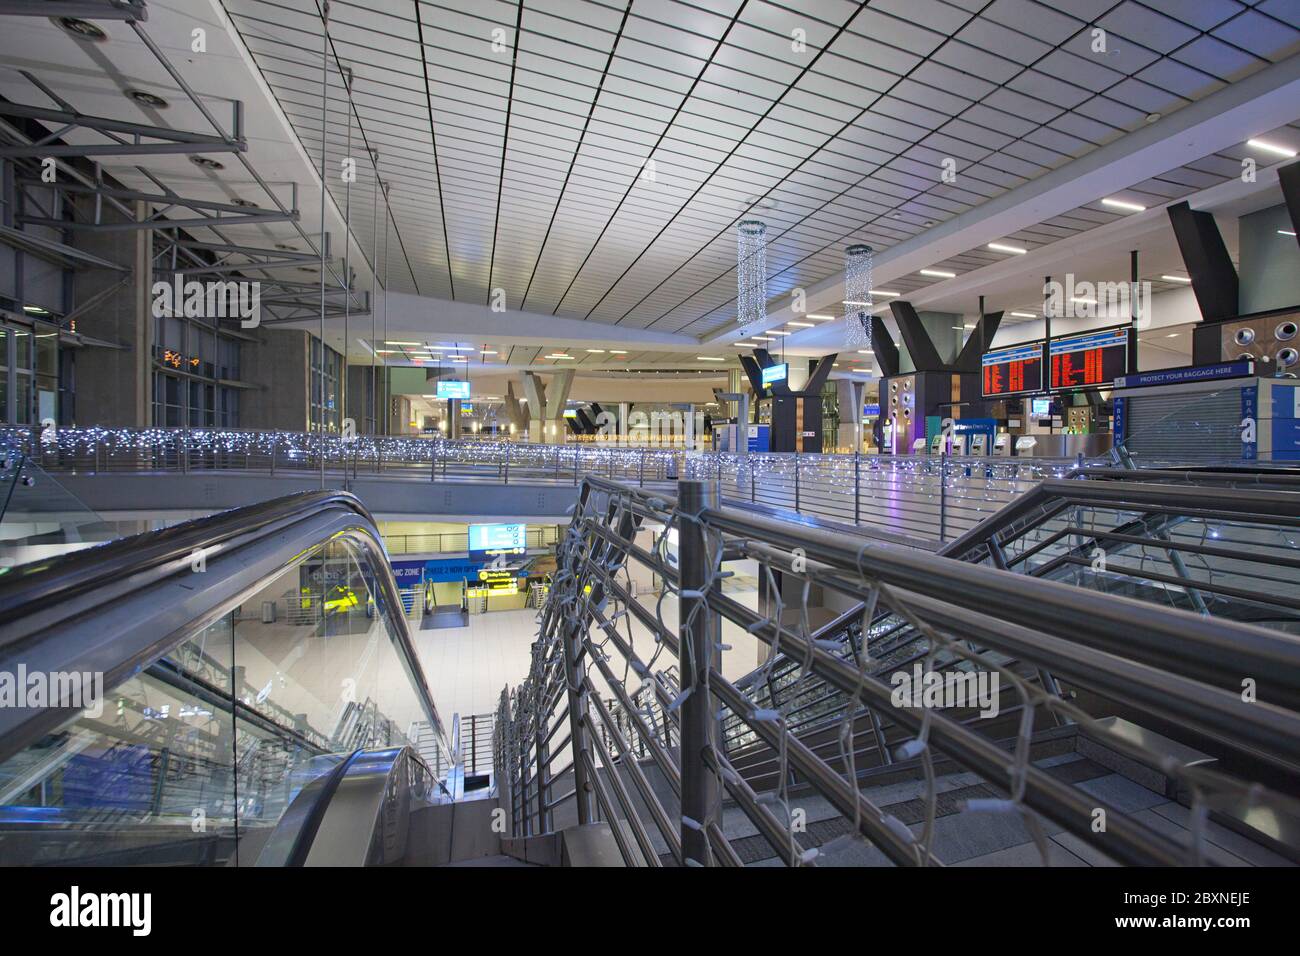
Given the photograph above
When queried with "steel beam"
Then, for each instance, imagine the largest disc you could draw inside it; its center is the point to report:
(128, 10)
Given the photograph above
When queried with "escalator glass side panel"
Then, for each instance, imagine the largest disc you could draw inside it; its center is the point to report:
(195, 759)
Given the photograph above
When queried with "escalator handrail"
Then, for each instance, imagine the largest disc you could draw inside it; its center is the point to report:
(1225, 503)
(32, 593)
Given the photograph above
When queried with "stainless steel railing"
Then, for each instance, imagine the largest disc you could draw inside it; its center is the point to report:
(925, 498)
(560, 751)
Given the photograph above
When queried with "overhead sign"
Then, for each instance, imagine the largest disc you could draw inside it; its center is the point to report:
(775, 373)
(1089, 360)
(1017, 370)
(570, 413)
(1173, 376)
(489, 540)
(452, 388)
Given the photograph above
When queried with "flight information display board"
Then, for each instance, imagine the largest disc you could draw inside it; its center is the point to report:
(1089, 360)
(1013, 371)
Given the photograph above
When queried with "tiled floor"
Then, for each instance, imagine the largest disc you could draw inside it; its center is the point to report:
(467, 667)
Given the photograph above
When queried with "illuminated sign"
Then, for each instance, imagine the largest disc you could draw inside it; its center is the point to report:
(451, 388)
(570, 413)
(1013, 371)
(489, 540)
(1042, 407)
(1093, 359)
(775, 373)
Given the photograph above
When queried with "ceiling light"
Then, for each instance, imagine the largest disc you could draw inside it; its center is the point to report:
(81, 29)
(401, 343)
(779, 332)
(1176, 278)
(709, 358)
(742, 345)
(35, 310)
(559, 356)
(865, 352)
(1014, 250)
(1286, 232)
(1172, 335)
(206, 163)
(457, 348)
(763, 338)
(881, 292)
(1272, 148)
(938, 274)
(596, 351)
(821, 318)
(1084, 300)
(147, 99)
(801, 325)
(1121, 204)
(618, 351)
(487, 352)
(1024, 315)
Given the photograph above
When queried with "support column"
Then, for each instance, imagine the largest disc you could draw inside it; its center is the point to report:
(700, 632)
(557, 395)
(535, 392)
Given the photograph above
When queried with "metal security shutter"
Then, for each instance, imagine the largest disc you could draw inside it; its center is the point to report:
(1198, 427)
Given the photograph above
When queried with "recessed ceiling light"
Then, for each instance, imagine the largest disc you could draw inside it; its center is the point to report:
(1121, 204)
(386, 342)
(801, 325)
(1014, 250)
(596, 351)
(1024, 315)
(779, 332)
(1272, 148)
(35, 310)
(1153, 117)
(938, 274)
(1173, 335)
(487, 352)
(709, 358)
(147, 99)
(865, 352)
(1286, 232)
(559, 356)
(1176, 278)
(821, 318)
(80, 29)
(763, 338)
(883, 292)
(206, 163)
(618, 351)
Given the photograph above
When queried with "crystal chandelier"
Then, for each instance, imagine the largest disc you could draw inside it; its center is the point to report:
(751, 275)
(857, 296)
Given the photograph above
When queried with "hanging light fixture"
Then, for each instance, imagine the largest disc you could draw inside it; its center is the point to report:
(857, 290)
(751, 275)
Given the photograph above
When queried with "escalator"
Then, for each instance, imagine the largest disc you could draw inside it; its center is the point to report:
(1219, 543)
(170, 706)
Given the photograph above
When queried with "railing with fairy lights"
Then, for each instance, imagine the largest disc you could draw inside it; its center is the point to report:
(568, 739)
(930, 498)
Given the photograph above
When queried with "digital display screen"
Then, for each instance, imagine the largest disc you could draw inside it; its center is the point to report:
(489, 540)
(1042, 407)
(1083, 361)
(570, 413)
(1013, 371)
(775, 373)
(451, 388)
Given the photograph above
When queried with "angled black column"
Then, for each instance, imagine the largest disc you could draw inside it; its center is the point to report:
(1214, 278)
(818, 371)
(884, 349)
(1289, 177)
(753, 373)
(968, 360)
(925, 357)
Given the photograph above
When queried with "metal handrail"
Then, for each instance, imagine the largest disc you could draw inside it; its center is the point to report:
(48, 607)
(1165, 662)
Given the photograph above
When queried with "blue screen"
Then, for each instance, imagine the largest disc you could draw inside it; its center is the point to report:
(490, 539)
(453, 389)
(775, 373)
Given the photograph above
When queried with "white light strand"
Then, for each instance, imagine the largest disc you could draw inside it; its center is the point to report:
(857, 289)
(751, 275)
